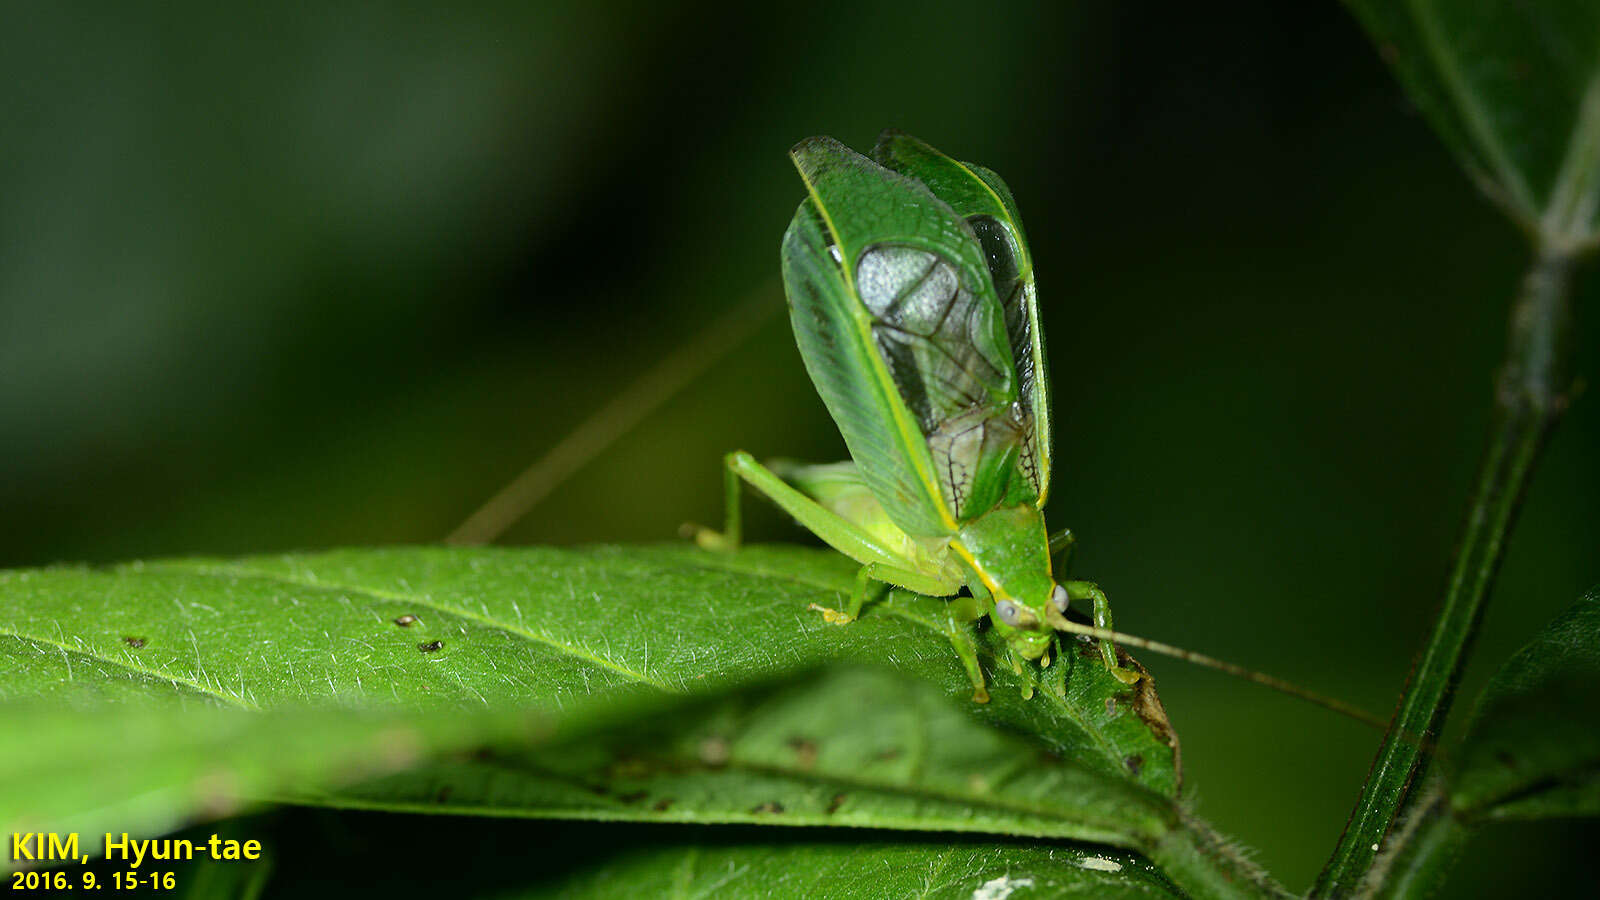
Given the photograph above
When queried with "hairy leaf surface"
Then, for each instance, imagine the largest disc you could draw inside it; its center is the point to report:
(558, 640)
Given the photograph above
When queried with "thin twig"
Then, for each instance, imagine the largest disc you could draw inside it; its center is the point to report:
(613, 420)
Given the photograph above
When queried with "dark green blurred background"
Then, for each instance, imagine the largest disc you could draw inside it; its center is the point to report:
(275, 280)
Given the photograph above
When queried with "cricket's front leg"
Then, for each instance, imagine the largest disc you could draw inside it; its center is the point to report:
(952, 617)
(1088, 590)
(967, 651)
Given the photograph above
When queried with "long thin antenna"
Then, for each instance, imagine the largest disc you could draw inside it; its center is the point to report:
(613, 420)
(1061, 623)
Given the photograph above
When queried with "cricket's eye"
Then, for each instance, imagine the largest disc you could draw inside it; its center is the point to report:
(1059, 599)
(1014, 615)
(1008, 612)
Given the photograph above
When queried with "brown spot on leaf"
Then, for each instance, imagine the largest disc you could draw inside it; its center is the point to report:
(633, 796)
(771, 806)
(629, 767)
(889, 755)
(805, 752)
(430, 646)
(406, 621)
(1111, 706)
(662, 805)
(443, 795)
(1134, 762)
(835, 803)
(219, 794)
(134, 642)
(714, 751)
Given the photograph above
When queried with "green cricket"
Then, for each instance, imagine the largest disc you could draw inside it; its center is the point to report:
(911, 291)
(912, 296)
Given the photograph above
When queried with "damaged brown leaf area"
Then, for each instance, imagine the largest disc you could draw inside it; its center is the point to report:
(1146, 704)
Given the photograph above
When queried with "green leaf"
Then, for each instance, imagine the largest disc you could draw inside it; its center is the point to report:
(1533, 750)
(843, 747)
(967, 871)
(602, 683)
(144, 767)
(536, 629)
(510, 859)
(1514, 90)
(847, 746)
(852, 747)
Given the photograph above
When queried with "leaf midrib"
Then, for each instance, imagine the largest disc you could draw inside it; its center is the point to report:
(128, 665)
(238, 571)
(212, 570)
(1476, 117)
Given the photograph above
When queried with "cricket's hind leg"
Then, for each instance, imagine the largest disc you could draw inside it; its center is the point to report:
(840, 533)
(883, 564)
(882, 560)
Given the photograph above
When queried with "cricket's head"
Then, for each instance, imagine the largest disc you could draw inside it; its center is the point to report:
(1026, 626)
(1008, 553)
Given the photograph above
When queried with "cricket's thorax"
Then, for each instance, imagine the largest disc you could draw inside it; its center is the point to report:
(1009, 551)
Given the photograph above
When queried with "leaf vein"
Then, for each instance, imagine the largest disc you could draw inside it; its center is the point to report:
(581, 653)
(128, 665)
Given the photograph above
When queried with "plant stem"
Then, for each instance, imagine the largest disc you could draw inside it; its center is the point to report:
(1422, 852)
(1529, 399)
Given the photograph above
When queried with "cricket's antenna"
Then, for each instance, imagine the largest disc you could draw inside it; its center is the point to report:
(613, 420)
(1062, 623)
